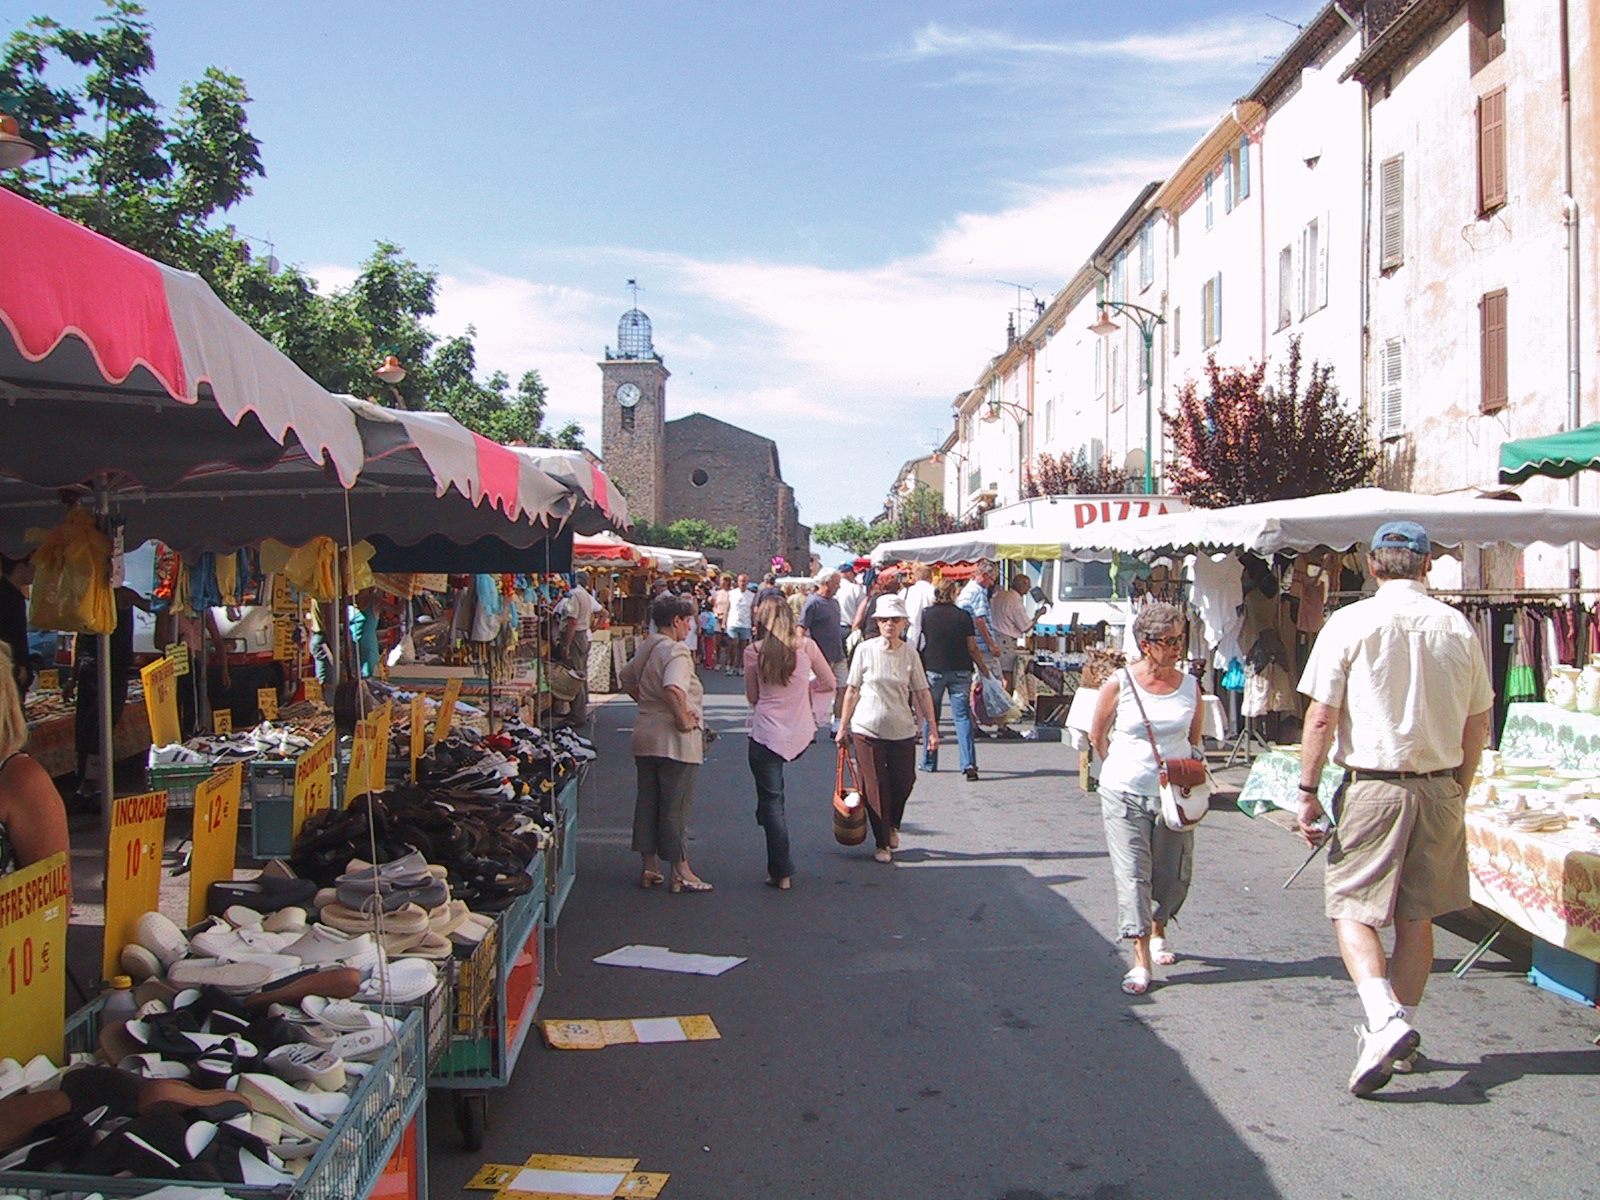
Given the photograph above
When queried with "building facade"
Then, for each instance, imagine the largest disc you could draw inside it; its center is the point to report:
(695, 466)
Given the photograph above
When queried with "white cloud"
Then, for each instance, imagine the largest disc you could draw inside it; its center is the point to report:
(1230, 42)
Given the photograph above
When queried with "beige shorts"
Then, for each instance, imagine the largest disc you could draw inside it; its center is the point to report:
(1008, 657)
(1400, 852)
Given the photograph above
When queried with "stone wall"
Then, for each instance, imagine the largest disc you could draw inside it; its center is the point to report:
(729, 476)
(633, 456)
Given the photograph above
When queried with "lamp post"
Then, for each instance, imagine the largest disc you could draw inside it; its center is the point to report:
(1147, 322)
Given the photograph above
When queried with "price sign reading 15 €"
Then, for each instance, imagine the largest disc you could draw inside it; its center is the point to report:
(33, 928)
(133, 869)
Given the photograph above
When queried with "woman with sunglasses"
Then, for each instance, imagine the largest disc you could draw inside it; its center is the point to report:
(668, 744)
(1151, 863)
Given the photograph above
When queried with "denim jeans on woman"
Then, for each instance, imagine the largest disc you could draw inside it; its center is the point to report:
(959, 685)
(767, 767)
(1150, 863)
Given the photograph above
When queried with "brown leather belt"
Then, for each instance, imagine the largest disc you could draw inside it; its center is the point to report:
(1390, 776)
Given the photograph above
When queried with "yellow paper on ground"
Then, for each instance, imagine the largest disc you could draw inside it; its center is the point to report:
(313, 780)
(133, 870)
(161, 702)
(216, 835)
(578, 1162)
(636, 1031)
(447, 709)
(33, 964)
(491, 1177)
(643, 1185)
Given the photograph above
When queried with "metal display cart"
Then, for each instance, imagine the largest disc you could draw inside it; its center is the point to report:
(491, 1009)
(350, 1162)
(563, 863)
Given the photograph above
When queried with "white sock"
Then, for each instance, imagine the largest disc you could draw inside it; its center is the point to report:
(1408, 1013)
(1378, 998)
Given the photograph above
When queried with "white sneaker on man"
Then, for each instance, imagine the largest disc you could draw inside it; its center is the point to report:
(1378, 1051)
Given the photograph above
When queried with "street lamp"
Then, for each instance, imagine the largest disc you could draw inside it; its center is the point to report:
(1147, 321)
(15, 150)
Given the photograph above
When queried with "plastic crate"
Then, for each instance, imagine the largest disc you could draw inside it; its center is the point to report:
(179, 780)
(1565, 973)
(347, 1165)
(272, 808)
(564, 864)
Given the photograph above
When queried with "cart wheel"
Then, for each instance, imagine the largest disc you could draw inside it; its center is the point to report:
(472, 1117)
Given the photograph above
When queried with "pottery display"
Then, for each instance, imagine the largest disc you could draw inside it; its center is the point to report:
(1562, 688)
(1589, 686)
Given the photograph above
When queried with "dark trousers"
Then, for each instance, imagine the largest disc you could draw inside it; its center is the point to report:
(661, 808)
(888, 773)
(767, 767)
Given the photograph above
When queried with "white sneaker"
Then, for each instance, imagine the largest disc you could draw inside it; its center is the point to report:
(299, 1062)
(161, 936)
(1378, 1051)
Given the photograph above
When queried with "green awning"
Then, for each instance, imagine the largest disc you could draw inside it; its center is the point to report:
(1558, 455)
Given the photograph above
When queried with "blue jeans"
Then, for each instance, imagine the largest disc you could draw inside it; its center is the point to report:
(767, 768)
(959, 685)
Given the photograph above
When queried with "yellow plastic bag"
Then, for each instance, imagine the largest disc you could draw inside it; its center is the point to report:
(72, 579)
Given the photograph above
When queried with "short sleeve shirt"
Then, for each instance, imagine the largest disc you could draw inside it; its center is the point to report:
(1405, 672)
(658, 664)
(886, 678)
(820, 616)
(974, 599)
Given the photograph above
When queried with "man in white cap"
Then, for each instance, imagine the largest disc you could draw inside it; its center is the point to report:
(1400, 693)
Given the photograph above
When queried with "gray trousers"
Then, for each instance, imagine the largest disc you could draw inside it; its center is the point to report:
(661, 807)
(1151, 863)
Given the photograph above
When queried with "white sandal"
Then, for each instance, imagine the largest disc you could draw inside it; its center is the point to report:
(1136, 982)
(1161, 952)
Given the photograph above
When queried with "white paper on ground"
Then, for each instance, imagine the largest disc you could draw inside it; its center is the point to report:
(659, 958)
(567, 1183)
(658, 1029)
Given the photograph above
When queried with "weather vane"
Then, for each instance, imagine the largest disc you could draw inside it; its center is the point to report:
(633, 286)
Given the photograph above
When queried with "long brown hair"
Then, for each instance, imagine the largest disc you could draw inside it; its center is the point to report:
(778, 652)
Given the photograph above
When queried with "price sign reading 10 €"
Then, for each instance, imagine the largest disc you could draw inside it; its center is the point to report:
(33, 929)
(133, 869)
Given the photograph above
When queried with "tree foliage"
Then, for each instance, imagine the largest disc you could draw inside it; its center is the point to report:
(921, 515)
(1072, 474)
(158, 183)
(1242, 442)
(686, 533)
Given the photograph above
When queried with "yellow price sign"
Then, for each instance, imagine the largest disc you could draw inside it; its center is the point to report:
(222, 720)
(33, 966)
(378, 764)
(178, 652)
(133, 869)
(282, 641)
(419, 731)
(313, 780)
(267, 702)
(50, 681)
(282, 601)
(313, 690)
(363, 751)
(447, 709)
(161, 702)
(216, 835)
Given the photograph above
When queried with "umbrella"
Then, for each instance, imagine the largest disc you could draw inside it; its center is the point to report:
(1560, 455)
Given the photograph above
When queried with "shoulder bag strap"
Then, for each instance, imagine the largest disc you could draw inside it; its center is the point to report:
(1161, 764)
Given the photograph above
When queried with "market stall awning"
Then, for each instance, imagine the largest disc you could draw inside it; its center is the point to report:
(1560, 455)
(1348, 519)
(1010, 543)
(602, 549)
(605, 505)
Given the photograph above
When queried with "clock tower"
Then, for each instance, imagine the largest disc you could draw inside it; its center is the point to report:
(633, 396)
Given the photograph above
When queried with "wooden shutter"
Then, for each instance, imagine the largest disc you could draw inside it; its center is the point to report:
(1216, 306)
(1243, 189)
(1492, 151)
(1391, 415)
(1392, 222)
(1285, 286)
(1227, 182)
(1177, 330)
(1322, 261)
(1492, 339)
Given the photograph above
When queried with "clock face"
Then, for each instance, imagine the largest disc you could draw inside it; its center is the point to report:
(628, 395)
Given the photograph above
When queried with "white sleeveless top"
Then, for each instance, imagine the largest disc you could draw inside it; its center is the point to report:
(1130, 764)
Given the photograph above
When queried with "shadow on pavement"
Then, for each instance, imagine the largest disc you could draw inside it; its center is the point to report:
(1490, 1072)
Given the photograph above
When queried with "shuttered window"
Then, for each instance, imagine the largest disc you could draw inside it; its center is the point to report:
(1211, 311)
(1176, 325)
(1492, 339)
(1392, 218)
(1492, 151)
(1285, 286)
(1391, 410)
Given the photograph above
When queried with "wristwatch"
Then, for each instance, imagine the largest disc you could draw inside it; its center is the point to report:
(1308, 789)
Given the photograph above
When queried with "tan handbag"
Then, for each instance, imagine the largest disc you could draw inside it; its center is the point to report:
(849, 809)
(1185, 782)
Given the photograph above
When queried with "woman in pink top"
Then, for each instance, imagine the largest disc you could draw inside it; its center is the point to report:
(787, 680)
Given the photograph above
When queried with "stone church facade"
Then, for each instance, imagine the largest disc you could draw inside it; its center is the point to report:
(695, 466)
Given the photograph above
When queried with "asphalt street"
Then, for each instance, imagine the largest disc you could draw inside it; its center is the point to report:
(952, 1025)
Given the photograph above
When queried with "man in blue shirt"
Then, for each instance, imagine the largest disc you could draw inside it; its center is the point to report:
(974, 600)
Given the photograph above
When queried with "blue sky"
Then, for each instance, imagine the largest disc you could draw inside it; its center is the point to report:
(819, 200)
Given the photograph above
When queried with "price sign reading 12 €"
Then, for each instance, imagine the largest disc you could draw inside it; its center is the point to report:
(447, 709)
(133, 869)
(216, 835)
(313, 780)
(33, 931)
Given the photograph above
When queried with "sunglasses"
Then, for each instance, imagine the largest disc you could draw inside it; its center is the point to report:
(1172, 643)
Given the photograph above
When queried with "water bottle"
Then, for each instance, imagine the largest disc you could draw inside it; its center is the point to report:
(119, 1005)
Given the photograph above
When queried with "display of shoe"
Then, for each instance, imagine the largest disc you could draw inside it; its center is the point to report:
(162, 937)
(1377, 1051)
(299, 1062)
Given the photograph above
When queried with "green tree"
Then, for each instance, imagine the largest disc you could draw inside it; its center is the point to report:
(686, 533)
(922, 515)
(157, 183)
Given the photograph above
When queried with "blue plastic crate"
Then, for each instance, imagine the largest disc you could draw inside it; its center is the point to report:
(1565, 973)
